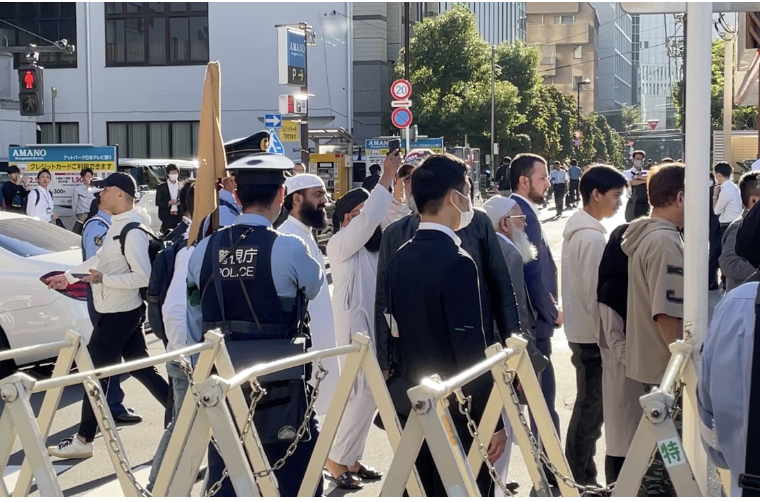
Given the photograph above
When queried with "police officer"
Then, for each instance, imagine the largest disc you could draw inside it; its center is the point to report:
(253, 283)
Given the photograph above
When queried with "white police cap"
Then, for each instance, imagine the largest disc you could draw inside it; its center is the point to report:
(261, 169)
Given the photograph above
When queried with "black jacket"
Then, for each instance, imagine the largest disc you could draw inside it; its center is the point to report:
(502, 177)
(497, 295)
(163, 196)
(370, 182)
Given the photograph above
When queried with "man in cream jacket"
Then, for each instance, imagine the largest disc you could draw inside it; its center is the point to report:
(601, 188)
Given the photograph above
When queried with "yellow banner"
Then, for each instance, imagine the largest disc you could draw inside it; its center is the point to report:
(289, 131)
(70, 166)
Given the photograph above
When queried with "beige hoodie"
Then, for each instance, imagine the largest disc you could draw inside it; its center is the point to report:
(655, 286)
(582, 250)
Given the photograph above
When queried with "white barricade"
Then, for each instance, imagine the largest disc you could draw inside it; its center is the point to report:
(431, 420)
(657, 431)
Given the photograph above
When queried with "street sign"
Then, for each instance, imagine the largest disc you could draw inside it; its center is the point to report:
(401, 118)
(275, 145)
(377, 148)
(653, 123)
(291, 56)
(401, 103)
(401, 89)
(680, 7)
(289, 131)
(272, 121)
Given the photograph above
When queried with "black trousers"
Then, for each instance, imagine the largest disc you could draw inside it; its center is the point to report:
(612, 468)
(559, 197)
(585, 427)
(169, 221)
(574, 194)
(716, 248)
(120, 335)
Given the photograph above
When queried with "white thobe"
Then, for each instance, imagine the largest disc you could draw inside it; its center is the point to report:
(321, 316)
(354, 274)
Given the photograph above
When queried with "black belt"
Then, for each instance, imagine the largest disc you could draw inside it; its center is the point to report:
(725, 224)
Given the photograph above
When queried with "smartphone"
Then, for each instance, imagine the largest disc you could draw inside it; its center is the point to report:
(393, 145)
(79, 276)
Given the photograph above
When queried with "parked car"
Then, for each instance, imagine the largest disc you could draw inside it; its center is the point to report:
(30, 312)
(149, 173)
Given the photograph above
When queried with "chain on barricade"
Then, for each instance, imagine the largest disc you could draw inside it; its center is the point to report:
(472, 427)
(257, 393)
(108, 433)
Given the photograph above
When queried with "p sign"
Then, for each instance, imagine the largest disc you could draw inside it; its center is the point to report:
(401, 89)
(401, 118)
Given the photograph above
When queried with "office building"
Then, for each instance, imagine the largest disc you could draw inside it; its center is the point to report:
(497, 21)
(615, 78)
(657, 67)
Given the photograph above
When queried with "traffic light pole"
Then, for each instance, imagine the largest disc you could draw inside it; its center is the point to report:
(305, 91)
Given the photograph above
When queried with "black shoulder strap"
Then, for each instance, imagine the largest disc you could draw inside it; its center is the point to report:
(122, 237)
(38, 198)
(230, 206)
(749, 481)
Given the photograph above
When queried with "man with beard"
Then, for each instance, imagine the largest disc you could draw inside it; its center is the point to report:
(306, 198)
(530, 180)
(509, 223)
(353, 251)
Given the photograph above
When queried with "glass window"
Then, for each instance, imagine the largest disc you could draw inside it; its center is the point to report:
(578, 52)
(175, 33)
(66, 132)
(155, 140)
(48, 21)
(564, 19)
(31, 237)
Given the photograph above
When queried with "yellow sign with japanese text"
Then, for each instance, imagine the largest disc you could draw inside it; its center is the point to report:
(289, 131)
(71, 166)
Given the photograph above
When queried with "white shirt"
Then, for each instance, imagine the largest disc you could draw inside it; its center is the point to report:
(39, 204)
(174, 194)
(123, 274)
(729, 204)
(531, 204)
(756, 165)
(426, 225)
(82, 199)
(558, 176)
(174, 309)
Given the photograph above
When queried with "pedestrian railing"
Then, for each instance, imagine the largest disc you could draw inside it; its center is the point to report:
(657, 431)
(431, 420)
(247, 466)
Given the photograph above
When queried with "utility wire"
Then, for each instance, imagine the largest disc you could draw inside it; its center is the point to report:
(58, 44)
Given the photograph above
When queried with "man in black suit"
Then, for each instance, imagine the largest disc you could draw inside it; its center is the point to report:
(374, 176)
(434, 299)
(167, 200)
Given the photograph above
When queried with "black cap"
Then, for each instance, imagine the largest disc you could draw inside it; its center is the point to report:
(122, 181)
(261, 169)
(242, 147)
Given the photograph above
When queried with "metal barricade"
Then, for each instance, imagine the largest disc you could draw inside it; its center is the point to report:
(657, 430)
(431, 420)
(248, 468)
(18, 417)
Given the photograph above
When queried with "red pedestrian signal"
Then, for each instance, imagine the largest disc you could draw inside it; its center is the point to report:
(30, 79)
(31, 91)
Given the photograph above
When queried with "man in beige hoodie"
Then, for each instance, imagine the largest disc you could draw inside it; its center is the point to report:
(655, 293)
(601, 188)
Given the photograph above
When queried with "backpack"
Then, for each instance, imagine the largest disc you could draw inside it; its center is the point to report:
(160, 279)
(155, 246)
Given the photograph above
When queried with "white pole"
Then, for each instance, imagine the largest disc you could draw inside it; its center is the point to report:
(408, 141)
(698, 62)
(728, 94)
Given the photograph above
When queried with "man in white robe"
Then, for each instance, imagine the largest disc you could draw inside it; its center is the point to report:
(305, 200)
(353, 252)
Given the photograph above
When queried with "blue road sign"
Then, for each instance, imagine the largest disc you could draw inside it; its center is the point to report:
(401, 118)
(275, 145)
(273, 121)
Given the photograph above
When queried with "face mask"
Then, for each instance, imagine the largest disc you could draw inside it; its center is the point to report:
(638, 163)
(465, 217)
(173, 177)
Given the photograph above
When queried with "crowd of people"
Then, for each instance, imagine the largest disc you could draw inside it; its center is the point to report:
(430, 278)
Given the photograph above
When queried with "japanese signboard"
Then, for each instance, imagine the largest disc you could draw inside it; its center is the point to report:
(377, 149)
(65, 163)
(291, 52)
(289, 131)
(672, 452)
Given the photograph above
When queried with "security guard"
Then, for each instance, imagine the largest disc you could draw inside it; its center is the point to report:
(253, 283)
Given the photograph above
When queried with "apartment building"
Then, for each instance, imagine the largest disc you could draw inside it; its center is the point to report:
(615, 78)
(567, 34)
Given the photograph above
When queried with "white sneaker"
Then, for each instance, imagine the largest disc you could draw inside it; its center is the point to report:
(71, 448)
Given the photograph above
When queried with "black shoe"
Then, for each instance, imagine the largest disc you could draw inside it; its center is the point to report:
(713, 287)
(127, 418)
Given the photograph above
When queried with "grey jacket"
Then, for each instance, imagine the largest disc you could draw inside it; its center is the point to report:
(516, 273)
(734, 267)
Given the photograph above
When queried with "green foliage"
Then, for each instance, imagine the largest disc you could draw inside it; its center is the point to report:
(450, 70)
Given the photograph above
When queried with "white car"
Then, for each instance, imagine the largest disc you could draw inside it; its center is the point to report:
(30, 312)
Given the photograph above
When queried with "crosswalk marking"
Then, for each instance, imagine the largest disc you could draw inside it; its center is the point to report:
(11, 474)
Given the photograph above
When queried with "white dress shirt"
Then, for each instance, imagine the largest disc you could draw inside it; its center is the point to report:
(729, 204)
(174, 194)
(558, 176)
(531, 204)
(39, 204)
(174, 309)
(426, 225)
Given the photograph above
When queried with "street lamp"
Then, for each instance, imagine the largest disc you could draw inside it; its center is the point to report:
(583, 82)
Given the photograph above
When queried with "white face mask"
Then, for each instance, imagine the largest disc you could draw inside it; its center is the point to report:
(465, 217)
(638, 163)
(173, 177)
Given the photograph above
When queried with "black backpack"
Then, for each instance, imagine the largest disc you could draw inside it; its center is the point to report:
(155, 246)
(160, 279)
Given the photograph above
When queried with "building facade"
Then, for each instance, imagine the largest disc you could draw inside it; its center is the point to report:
(657, 68)
(136, 78)
(567, 34)
(497, 21)
(615, 78)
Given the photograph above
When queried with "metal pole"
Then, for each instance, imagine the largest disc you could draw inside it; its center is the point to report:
(53, 95)
(493, 106)
(305, 91)
(407, 23)
(698, 63)
(728, 94)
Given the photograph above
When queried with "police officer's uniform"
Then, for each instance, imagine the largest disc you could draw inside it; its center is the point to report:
(253, 283)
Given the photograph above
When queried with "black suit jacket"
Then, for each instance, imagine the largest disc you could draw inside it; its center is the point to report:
(163, 196)
(434, 296)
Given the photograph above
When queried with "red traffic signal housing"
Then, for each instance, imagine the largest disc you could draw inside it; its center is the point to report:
(31, 91)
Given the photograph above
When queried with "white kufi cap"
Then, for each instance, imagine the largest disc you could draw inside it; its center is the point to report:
(497, 207)
(302, 182)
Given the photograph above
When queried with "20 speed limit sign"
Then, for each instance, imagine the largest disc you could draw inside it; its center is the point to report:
(401, 89)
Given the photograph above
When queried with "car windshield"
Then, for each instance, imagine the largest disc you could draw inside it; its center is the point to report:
(31, 237)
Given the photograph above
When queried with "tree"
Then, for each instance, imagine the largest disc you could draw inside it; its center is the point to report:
(742, 116)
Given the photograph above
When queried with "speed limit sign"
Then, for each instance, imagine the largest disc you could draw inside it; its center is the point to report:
(401, 89)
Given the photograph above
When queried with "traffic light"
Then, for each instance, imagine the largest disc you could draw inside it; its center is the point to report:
(31, 91)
